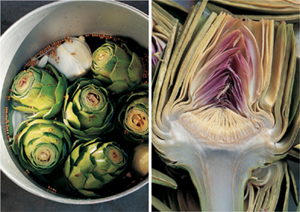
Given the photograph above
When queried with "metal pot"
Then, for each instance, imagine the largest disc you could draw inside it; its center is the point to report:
(42, 27)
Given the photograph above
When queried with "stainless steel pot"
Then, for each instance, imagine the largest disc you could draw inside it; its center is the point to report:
(42, 27)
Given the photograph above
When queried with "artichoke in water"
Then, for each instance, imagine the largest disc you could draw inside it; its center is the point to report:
(42, 145)
(115, 68)
(226, 108)
(93, 164)
(73, 58)
(87, 111)
(133, 119)
(39, 91)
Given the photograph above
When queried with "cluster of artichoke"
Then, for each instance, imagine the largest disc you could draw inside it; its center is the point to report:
(70, 122)
(226, 105)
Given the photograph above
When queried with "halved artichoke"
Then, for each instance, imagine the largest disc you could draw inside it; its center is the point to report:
(222, 105)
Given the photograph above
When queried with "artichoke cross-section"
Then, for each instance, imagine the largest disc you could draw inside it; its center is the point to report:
(222, 104)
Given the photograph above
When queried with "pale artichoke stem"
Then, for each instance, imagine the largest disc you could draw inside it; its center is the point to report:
(219, 188)
(220, 174)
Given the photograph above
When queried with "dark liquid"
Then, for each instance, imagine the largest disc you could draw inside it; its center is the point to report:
(56, 182)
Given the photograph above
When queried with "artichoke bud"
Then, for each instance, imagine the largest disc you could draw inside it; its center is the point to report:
(42, 145)
(115, 68)
(87, 109)
(140, 161)
(39, 91)
(93, 164)
(133, 119)
(72, 58)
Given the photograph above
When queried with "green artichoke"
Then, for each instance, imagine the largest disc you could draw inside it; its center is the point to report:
(39, 91)
(42, 145)
(115, 68)
(87, 110)
(93, 164)
(133, 119)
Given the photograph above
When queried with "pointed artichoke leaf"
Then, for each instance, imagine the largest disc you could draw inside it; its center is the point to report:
(159, 204)
(25, 109)
(118, 86)
(92, 183)
(120, 72)
(70, 117)
(295, 98)
(163, 179)
(90, 120)
(88, 193)
(84, 162)
(135, 69)
(53, 110)
(76, 178)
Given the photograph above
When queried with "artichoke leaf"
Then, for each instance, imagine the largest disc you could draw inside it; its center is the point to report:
(49, 114)
(159, 204)
(91, 120)
(159, 83)
(71, 118)
(77, 178)
(67, 167)
(267, 6)
(25, 109)
(295, 98)
(280, 15)
(85, 164)
(92, 183)
(37, 131)
(118, 86)
(87, 193)
(134, 69)
(163, 179)
(118, 73)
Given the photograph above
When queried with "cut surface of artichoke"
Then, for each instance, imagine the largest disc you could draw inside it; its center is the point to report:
(137, 120)
(221, 110)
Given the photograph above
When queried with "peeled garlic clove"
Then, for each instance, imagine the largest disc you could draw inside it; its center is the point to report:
(42, 62)
(140, 160)
(73, 58)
